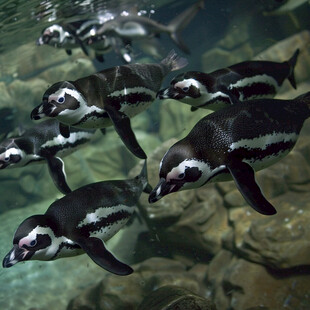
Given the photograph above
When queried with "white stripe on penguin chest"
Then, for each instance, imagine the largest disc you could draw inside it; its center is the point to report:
(132, 100)
(257, 79)
(67, 145)
(106, 232)
(261, 144)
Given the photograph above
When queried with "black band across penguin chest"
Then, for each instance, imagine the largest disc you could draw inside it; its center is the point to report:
(259, 133)
(129, 89)
(133, 88)
(264, 134)
(96, 209)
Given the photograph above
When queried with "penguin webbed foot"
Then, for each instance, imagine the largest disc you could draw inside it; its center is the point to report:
(97, 251)
(244, 177)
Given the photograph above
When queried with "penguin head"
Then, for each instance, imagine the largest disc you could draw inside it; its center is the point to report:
(54, 35)
(186, 87)
(33, 240)
(10, 153)
(179, 170)
(60, 99)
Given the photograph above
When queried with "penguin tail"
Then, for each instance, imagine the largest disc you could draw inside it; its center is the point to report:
(174, 62)
(180, 22)
(292, 62)
(147, 188)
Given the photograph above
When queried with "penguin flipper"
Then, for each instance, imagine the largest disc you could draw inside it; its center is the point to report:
(56, 169)
(97, 251)
(122, 126)
(244, 177)
(64, 130)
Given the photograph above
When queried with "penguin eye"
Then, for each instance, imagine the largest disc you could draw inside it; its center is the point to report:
(181, 176)
(33, 243)
(6, 159)
(185, 89)
(61, 100)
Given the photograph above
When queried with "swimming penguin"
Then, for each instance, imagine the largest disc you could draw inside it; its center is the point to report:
(111, 96)
(134, 27)
(80, 222)
(78, 34)
(233, 143)
(243, 81)
(43, 143)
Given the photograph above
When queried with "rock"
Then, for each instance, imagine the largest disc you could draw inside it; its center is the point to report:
(70, 70)
(176, 119)
(234, 199)
(251, 285)
(25, 95)
(128, 292)
(279, 241)
(30, 183)
(218, 58)
(5, 99)
(214, 278)
(173, 297)
(239, 284)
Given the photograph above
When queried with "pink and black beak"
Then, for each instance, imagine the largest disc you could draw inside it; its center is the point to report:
(15, 256)
(162, 189)
(169, 93)
(43, 110)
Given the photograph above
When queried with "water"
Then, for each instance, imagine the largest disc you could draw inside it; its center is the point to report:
(209, 240)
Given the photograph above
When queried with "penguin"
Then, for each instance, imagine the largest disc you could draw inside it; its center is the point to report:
(243, 81)
(111, 96)
(233, 143)
(43, 143)
(80, 222)
(134, 27)
(79, 34)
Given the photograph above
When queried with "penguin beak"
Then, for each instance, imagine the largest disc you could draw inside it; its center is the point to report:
(39, 41)
(41, 111)
(169, 93)
(162, 189)
(3, 164)
(15, 256)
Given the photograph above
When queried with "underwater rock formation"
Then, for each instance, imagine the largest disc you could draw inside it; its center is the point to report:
(171, 297)
(214, 224)
(128, 292)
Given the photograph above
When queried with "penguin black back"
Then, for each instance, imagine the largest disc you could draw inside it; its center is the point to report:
(234, 142)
